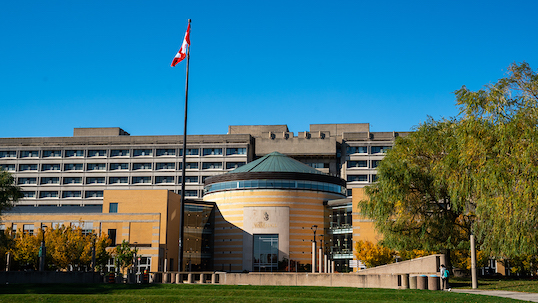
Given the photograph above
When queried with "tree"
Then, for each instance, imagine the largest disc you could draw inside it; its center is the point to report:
(476, 173)
(373, 254)
(124, 255)
(410, 203)
(9, 192)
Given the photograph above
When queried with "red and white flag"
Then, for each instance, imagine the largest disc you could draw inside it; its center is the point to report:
(182, 53)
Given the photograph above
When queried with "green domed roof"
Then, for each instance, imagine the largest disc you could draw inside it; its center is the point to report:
(276, 162)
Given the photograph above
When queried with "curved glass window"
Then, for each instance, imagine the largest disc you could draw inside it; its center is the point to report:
(280, 184)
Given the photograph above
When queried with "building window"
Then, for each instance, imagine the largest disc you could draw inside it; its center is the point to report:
(190, 165)
(236, 151)
(204, 178)
(96, 166)
(72, 180)
(119, 153)
(119, 166)
(359, 178)
(50, 180)
(7, 167)
(190, 193)
(112, 237)
(212, 165)
(357, 164)
(166, 152)
(28, 229)
(95, 180)
(72, 194)
(75, 166)
(50, 167)
(318, 165)
(374, 178)
(27, 167)
(141, 166)
(234, 165)
(190, 152)
(48, 194)
(97, 153)
(191, 179)
(29, 153)
(113, 208)
(380, 149)
(163, 166)
(375, 163)
(27, 181)
(74, 153)
(28, 194)
(52, 153)
(8, 154)
(266, 252)
(141, 180)
(94, 194)
(212, 151)
(118, 180)
(357, 150)
(164, 180)
(143, 152)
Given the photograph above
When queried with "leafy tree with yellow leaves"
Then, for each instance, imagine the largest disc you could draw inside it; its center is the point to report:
(373, 254)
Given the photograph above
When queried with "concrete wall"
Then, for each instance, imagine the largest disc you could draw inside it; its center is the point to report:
(306, 279)
(425, 266)
(24, 277)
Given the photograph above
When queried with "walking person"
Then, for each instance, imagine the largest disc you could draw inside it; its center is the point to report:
(444, 278)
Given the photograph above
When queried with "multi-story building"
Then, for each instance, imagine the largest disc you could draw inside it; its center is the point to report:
(74, 172)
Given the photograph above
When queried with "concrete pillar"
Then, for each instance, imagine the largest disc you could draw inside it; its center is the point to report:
(332, 267)
(189, 278)
(165, 277)
(320, 260)
(405, 281)
(433, 282)
(422, 282)
(202, 280)
(172, 278)
(179, 278)
(213, 278)
(413, 282)
(474, 280)
(325, 263)
(313, 257)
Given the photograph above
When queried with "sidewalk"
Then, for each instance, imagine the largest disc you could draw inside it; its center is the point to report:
(524, 296)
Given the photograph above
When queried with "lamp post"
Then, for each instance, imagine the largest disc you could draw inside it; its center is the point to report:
(314, 228)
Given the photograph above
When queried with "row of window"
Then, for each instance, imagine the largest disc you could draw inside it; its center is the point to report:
(122, 152)
(111, 180)
(88, 194)
(120, 166)
(361, 178)
(281, 184)
(364, 149)
(363, 164)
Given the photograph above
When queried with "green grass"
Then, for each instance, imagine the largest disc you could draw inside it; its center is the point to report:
(222, 293)
(499, 283)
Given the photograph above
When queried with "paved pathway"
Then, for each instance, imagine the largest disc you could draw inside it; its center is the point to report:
(525, 296)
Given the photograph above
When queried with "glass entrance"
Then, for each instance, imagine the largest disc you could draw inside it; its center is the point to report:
(266, 252)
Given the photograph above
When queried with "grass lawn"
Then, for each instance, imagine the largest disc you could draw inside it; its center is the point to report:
(222, 293)
(499, 283)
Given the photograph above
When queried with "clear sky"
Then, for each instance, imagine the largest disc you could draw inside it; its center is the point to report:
(67, 64)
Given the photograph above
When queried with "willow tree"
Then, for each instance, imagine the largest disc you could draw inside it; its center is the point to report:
(474, 173)
(410, 203)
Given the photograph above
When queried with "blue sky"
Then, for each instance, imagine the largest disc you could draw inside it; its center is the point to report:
(66, 64)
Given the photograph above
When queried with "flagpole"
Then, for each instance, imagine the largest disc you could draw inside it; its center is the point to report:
(184, 160)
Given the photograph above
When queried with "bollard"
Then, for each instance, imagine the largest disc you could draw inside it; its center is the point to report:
(413, 282)
(189, 278)
(433, 282)
(405, 281)
(422, 282)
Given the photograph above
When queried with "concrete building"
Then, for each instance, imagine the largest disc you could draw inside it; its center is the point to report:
(62, 177)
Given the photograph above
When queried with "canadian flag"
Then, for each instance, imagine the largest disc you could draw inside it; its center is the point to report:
(182, 53)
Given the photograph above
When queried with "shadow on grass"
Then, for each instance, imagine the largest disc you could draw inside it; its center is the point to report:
(71, 288)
